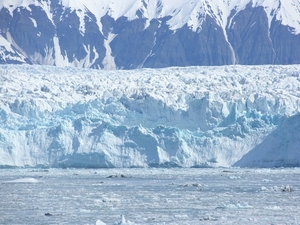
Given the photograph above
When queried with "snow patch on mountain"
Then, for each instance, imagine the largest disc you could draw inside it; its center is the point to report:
(108, 61)
(182, 12)
(11, 5)
(7, 53)
(5, 44)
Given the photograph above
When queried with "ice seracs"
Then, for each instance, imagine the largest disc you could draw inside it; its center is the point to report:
(186, 117)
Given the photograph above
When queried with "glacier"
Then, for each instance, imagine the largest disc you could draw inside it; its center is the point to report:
(245, 116)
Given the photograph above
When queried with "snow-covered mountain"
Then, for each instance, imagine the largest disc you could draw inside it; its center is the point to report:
(189, 117)
(149, 33)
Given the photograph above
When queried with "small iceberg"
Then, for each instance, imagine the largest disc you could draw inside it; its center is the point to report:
(23, 180)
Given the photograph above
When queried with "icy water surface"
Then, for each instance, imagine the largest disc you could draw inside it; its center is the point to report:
(150, 196)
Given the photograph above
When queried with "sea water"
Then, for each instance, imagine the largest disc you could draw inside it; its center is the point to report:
(150, 196)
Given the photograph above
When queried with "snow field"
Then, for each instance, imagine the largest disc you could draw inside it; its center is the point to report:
(183, 12)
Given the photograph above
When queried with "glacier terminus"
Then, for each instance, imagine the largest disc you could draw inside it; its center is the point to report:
(246, 116)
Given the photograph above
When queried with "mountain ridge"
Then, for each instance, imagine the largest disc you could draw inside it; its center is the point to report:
(149, 33)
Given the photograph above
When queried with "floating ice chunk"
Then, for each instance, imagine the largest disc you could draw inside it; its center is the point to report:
(264, 188)
(99, 222)
(243, 205)
(286, 188)
(266, 180)
(205, 218)
(84, 210)
(110, 200)
(23, 180)
(273, 207)
(124, 221)
(183, 216)
(117, 176)
(234, 177)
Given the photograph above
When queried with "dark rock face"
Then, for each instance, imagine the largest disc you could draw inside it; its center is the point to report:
(249, 37)
(7, 56)
(74, 44)
(63, 40)
(208, 47)
(132, 44)
(285, 44)
(158, 46)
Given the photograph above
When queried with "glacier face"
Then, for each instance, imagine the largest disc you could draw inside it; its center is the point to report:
(186, 117)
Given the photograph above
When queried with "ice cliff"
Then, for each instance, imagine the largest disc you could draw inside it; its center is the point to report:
(186, 117)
